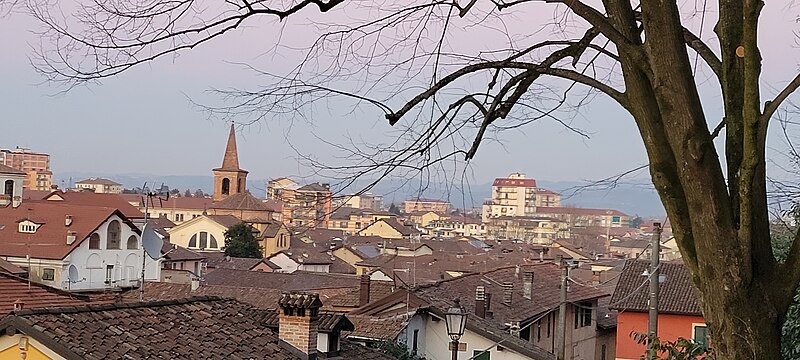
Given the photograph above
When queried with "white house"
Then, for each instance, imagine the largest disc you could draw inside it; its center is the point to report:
(74, 247)
(11, 182)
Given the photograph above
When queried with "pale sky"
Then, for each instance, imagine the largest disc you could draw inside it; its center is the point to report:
(143, 122)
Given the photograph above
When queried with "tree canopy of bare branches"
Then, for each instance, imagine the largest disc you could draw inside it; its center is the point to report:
(396, 58)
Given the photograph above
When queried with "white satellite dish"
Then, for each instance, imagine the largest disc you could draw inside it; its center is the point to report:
(151, 241)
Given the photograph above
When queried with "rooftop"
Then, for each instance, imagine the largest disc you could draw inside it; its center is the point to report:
(49, 241)
(98, 181)
(677, 293)
(32, 295)
(241, 201)
(199, 327)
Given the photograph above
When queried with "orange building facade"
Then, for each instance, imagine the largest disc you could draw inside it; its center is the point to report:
(670, 328)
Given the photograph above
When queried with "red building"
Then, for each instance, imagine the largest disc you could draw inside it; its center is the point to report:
(679, 314)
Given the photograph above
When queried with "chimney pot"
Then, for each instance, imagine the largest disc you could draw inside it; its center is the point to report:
(480, 301)
(298, 322)
(364, 285)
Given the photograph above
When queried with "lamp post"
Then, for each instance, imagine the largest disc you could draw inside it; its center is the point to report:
(455, 319)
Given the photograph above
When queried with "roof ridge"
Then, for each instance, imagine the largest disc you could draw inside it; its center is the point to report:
(119, 305)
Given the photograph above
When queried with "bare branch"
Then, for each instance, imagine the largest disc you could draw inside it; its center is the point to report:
(771, 106)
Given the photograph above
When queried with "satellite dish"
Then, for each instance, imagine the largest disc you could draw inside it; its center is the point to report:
(151, 241)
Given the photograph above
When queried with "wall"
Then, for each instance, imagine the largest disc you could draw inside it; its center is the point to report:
(285, 262)
(9, 349)
(181, 235)
(381, 229)
(437, 348)
(91, 264)
(670, 328)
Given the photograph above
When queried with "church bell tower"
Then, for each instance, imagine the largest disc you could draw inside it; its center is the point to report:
(229, 179)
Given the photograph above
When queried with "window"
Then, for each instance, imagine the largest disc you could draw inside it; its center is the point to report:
(48, 274)
(539, 330)
(178, 217)
(27, 227)
(226, 186)
(94, 241)
(109, 273)
(481, 355)
(9, 188)
(700, 335)
(203, 240)
(603, 352)
(414, 341)
(583, 314)
(133, 244)
(113, 235)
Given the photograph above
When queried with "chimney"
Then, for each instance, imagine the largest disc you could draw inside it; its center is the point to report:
(195, 284)
(489, 313)
(596, 277)
(18, 305)
(508, 293)
(363, 290)
(527, 284)
(541, 255)
(480, 302)
(68, 220)
(297, 324)
(71, 237)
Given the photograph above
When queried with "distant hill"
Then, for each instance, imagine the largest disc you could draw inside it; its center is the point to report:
(633, 198)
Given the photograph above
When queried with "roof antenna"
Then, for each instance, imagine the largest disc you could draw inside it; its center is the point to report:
(151, 242)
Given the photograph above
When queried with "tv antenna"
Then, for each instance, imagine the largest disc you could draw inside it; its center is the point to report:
(151, 242)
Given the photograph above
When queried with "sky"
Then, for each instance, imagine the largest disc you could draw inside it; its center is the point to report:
(144, 120)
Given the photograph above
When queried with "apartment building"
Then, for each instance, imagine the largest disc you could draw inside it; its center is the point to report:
(425, 205)
(100, 186)
(516, 195)
(307, 206)
(35, 165)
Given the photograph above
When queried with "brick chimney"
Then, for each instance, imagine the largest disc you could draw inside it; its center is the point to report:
(297, 324)
(363, 290)
(489, 313)
(527, 284)
(508, 293)
(480, 301)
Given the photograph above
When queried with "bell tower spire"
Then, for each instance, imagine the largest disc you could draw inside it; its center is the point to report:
(229, 179)
(231, 159)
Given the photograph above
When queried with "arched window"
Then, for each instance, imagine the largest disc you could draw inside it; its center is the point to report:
(94, 241)
(226, 186)
(203, 240)
(133, 244)
(9, 188)
(113, 235)
(193, 242)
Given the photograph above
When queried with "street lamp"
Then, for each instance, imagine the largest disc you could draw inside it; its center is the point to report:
(455, 319)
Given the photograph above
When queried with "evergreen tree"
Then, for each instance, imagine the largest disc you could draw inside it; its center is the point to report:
(394, 209)
(240, 242)
(187, 193)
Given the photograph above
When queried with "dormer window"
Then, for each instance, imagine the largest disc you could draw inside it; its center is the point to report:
(28, 227)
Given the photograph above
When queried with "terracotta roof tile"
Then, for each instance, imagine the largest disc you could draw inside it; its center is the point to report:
(95, 199)
(50, 239)
(197, 328)
(372, 328)
(296, 281)
(98, 181)
(676, 296)
(240, 201)
(10, 170)
(33, 295)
